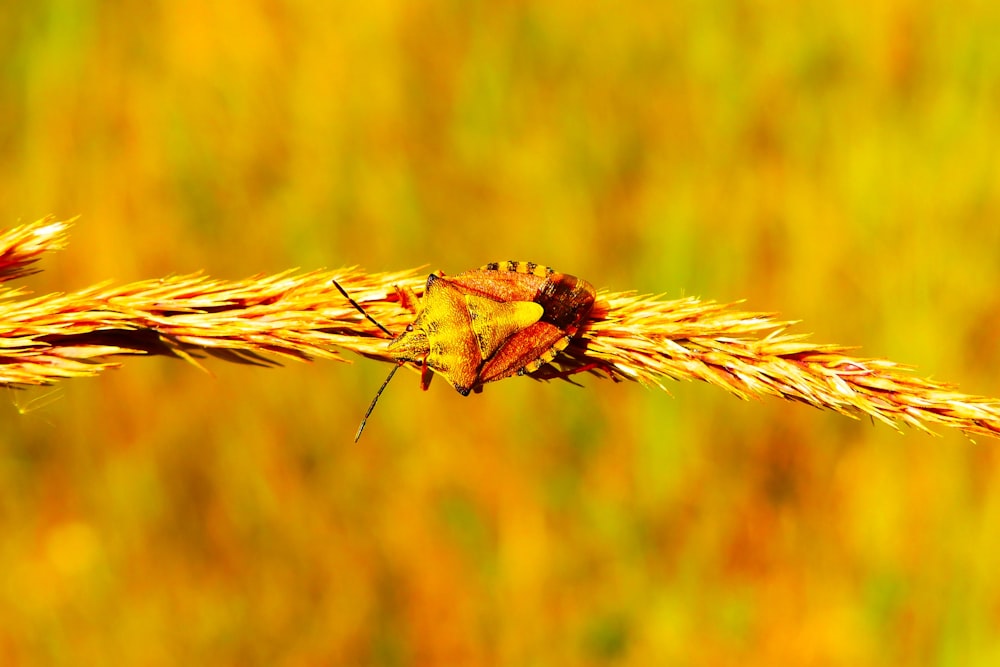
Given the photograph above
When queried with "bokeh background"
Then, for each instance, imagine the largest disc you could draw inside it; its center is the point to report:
(833, 161)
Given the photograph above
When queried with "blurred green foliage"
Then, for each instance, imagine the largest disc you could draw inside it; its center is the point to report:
(837, 161)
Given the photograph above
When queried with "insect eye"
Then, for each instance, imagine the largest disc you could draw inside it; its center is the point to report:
(409, 327)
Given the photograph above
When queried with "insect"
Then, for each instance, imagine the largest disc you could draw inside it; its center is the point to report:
(503, 319)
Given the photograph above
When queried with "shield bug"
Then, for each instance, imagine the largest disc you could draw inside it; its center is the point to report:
(503, 319)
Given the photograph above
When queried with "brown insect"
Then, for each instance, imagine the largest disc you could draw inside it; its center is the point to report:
(504, 319)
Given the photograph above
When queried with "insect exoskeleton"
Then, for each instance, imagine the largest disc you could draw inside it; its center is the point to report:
(503, 319)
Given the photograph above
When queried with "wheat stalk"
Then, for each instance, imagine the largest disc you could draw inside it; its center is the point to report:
(302, 316)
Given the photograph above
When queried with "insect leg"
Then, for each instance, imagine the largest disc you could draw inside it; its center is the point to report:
(425, 374)
(407, 298)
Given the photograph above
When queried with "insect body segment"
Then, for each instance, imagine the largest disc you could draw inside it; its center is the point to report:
(493, 322)
(435, 339)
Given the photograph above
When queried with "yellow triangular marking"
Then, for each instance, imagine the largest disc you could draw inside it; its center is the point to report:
(493, 322)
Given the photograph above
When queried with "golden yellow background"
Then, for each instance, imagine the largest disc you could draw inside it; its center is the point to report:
(834, 161)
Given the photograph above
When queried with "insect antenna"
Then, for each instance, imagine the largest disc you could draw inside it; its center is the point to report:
(361, 310)
(357, 436)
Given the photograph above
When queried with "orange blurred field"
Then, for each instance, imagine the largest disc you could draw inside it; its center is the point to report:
(838, 162)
